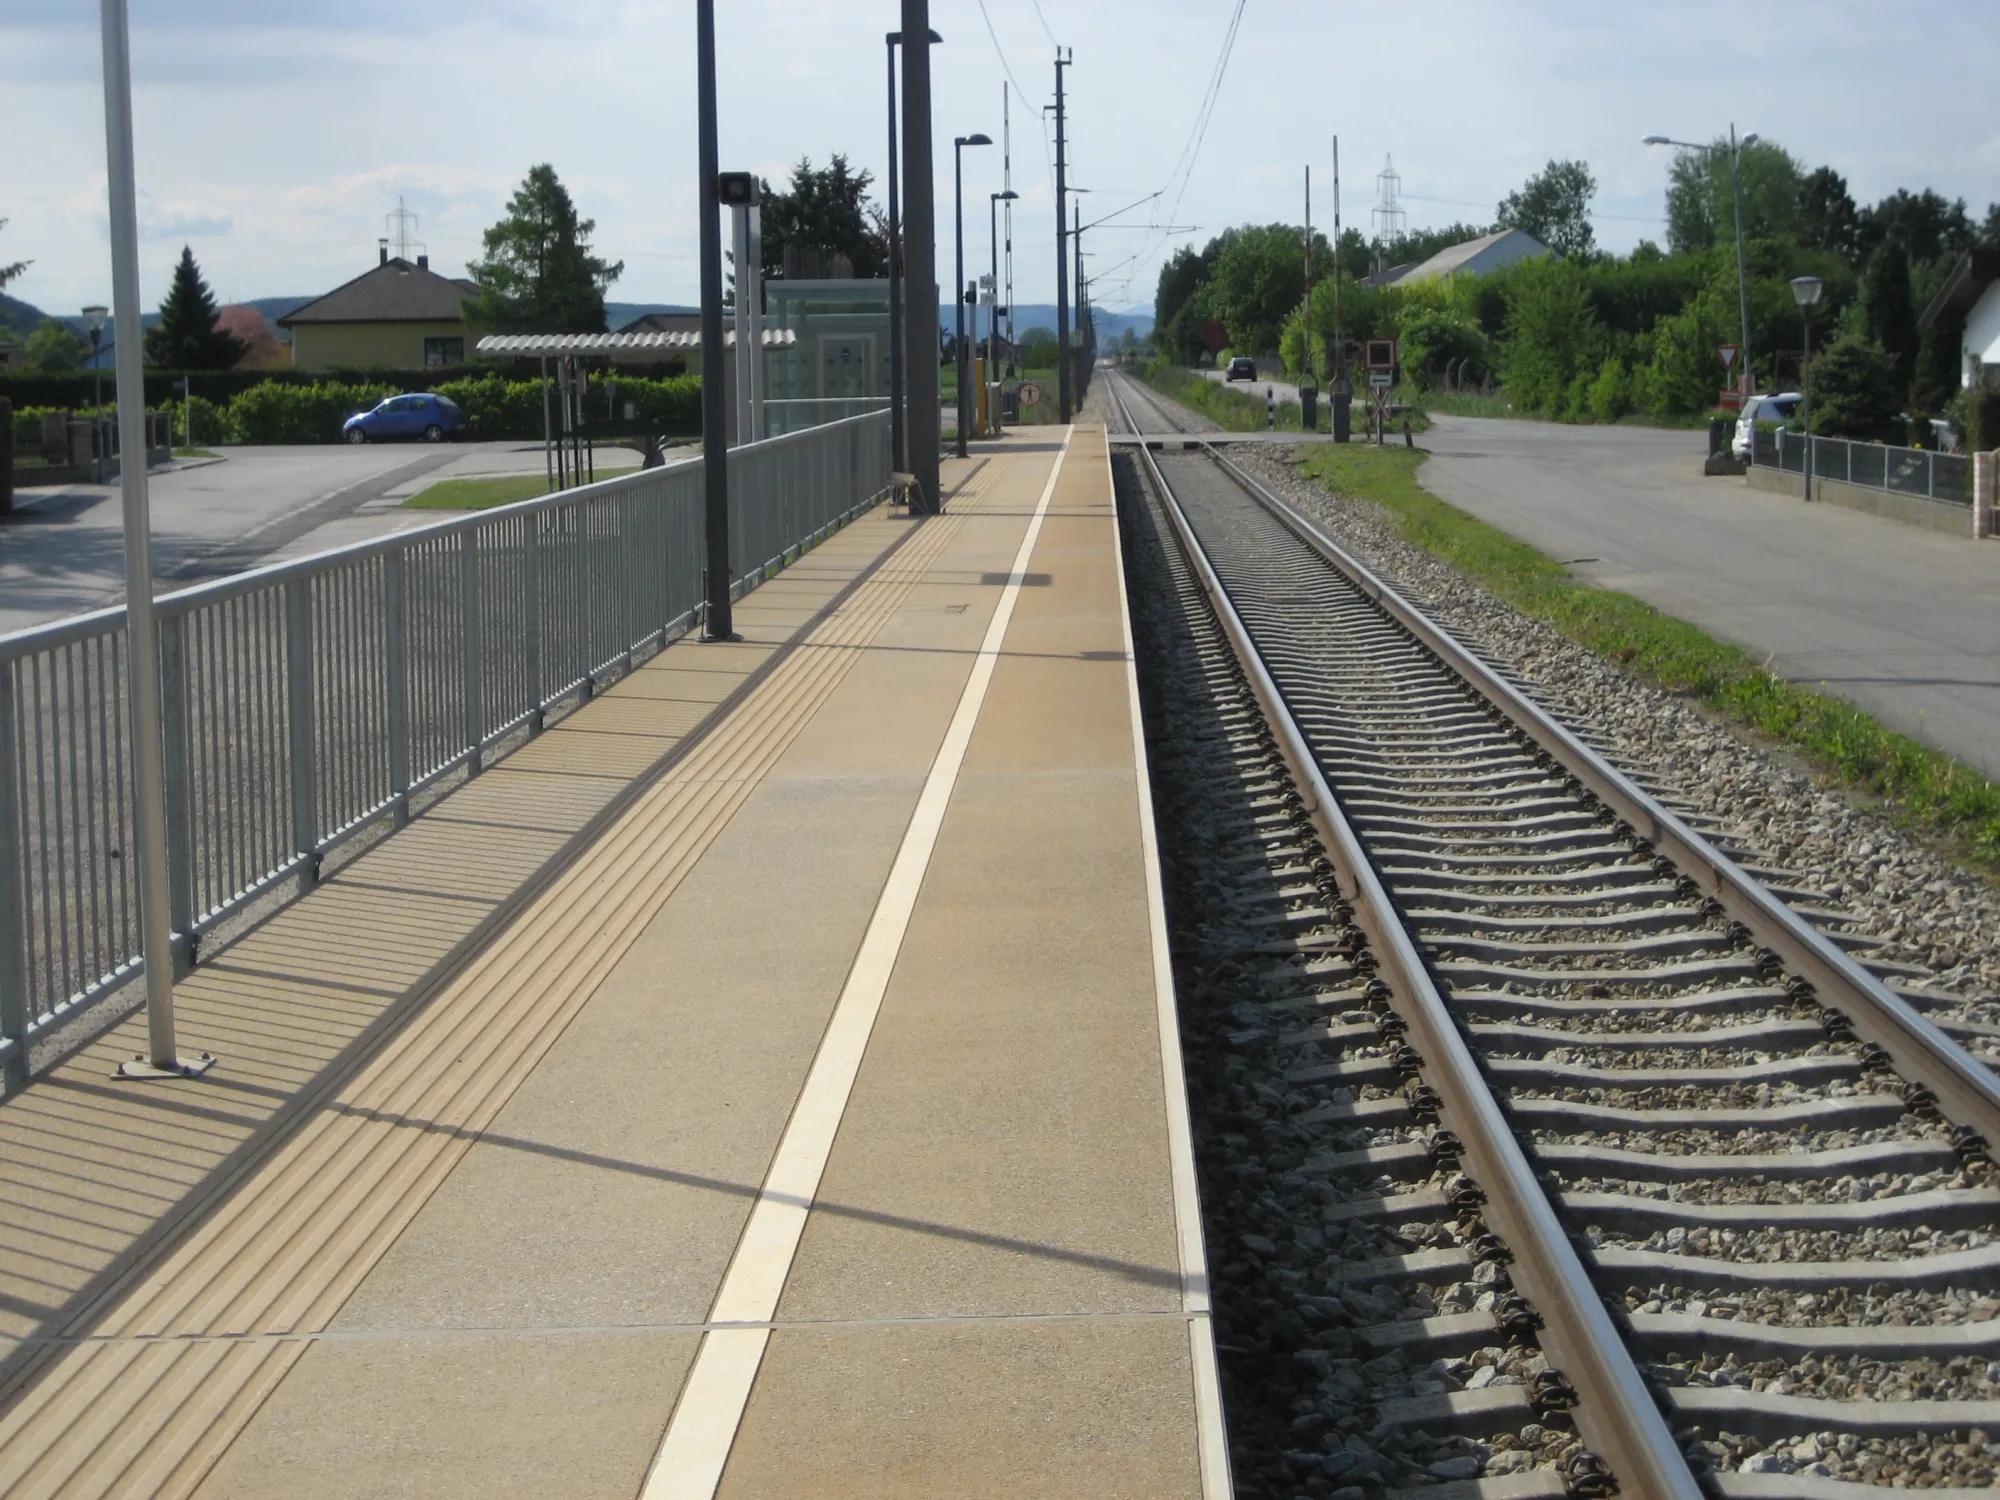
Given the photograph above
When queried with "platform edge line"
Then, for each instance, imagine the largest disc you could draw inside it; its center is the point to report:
(694, 1451)
(1211, 1435)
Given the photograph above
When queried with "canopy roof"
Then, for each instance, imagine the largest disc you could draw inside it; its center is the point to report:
(634, 346)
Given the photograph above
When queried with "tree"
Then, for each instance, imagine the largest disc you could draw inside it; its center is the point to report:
(9, 272)
(538, 275)
(1259, 279)
(1888, 314)
(1552, 334)
(1701, 208)
(186, 337)
(827, 211)
(1554, 206)
(1177, 316)
(53, 350)
(1827, 217)
(1856, 392)
(1932, 226)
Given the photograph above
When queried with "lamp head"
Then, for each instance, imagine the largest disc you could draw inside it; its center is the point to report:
(1749, 140)
(1806, 290)
(1656, 140)
(1007, 197)
(94, 318)
(977, 138)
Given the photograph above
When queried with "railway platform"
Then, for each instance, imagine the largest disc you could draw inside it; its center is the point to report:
(763, 1083)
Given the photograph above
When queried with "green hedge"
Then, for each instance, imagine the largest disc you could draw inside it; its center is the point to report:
(273, 413)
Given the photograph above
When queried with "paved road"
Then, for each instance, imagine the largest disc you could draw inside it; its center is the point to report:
(1902, 621)
(63, 552)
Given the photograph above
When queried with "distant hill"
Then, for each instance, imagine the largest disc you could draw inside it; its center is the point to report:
(1043, 315)
(18, 317)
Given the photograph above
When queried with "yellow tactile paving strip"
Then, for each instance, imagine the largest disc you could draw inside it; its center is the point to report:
(164, 1364)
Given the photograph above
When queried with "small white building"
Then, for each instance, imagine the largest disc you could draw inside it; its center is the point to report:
(1973, 288)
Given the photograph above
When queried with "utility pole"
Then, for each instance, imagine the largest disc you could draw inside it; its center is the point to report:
(1306, 365)
(898, 450)
(1007, 186)
(1062, 249)
(1070, 355)
(920, 325)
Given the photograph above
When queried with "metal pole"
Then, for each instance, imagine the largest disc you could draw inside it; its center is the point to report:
(1805, 399)
(746, 426)
(1068, 354)
(142, 662)
(1742, 272)
(898, 456)
(920, 326)
(1062, 254)
(718, 625)
(1007, 185)
(959, 360)
(992, 380)
(760, 420)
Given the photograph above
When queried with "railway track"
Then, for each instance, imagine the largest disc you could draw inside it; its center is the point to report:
(1545, 1150)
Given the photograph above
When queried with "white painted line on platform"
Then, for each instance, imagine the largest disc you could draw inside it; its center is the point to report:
(696, 1447)
(1211, 1437)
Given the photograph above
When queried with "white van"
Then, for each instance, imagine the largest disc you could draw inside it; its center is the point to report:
(1779, 408)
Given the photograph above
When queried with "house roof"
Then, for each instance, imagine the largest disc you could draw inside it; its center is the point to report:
(1487, 253)
(1975, 271)
(664, 322)
(393, 292)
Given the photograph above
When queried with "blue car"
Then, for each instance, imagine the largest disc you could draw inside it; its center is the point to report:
(431, 417)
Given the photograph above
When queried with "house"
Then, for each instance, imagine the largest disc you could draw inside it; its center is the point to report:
(666, 322)
(1970, 297)
(1477, 257)
(397, 316)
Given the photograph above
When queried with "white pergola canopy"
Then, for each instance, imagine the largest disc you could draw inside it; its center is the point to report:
(630, 346)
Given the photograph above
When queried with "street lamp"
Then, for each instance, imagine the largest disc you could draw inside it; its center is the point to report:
(1805, 292)
(94, 319)
(993, 312)
(1742, 273)
(958, 145)
(898, 448)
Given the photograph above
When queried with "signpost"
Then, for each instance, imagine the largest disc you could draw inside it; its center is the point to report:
(1732, 395)
(1380, 357)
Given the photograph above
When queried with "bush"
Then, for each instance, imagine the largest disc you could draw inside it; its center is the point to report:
(1977, 413)
(1576, 400)
(1855, 392)
(272, 413)
(1553, 335)
(1611, 391)
(1434, 338)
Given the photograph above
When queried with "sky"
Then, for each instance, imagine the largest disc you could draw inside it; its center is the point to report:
(273, 136)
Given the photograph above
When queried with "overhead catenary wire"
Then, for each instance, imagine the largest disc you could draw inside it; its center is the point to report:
(1184, 166)
(1048, 150)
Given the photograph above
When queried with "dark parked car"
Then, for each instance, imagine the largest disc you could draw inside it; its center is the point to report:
(425, 415)
(1241, 368)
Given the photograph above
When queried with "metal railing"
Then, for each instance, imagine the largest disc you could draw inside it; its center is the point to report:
(1945, 477)
(312, 700)
(795, 414)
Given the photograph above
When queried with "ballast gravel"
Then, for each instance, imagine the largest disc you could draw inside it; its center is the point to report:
(1925, 912)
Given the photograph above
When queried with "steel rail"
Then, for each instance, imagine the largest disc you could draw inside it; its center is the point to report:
(1967, 1093)
(1617, 1414)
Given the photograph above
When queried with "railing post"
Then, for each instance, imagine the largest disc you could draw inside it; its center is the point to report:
(396, 637)
(1930, 474)
(468, 603)
(531, 563)
(1983, 465)
(180, 790)
(13, 891)
(299, 713)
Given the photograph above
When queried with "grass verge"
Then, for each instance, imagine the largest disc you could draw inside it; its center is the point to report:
(193, 453)
(484, 494)
(1928, 793)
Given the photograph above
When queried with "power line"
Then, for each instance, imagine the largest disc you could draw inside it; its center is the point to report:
(1045, 25)
(1191, 151)
(1048, 158)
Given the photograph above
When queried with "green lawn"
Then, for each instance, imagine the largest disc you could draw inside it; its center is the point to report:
(1928, 793)
(192, 453)
(484, 494)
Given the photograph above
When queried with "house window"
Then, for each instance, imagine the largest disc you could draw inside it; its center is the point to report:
(443, 352)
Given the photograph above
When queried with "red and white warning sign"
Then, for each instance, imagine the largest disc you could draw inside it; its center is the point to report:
(1729, 353)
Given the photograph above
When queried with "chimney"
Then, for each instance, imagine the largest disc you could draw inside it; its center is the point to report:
(423, 262)
(382, 249)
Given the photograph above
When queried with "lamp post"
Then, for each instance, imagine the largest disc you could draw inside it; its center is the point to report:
(1805, 292)
(94, 318)
(1742, 273)
(958, 145)
(993, 312)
